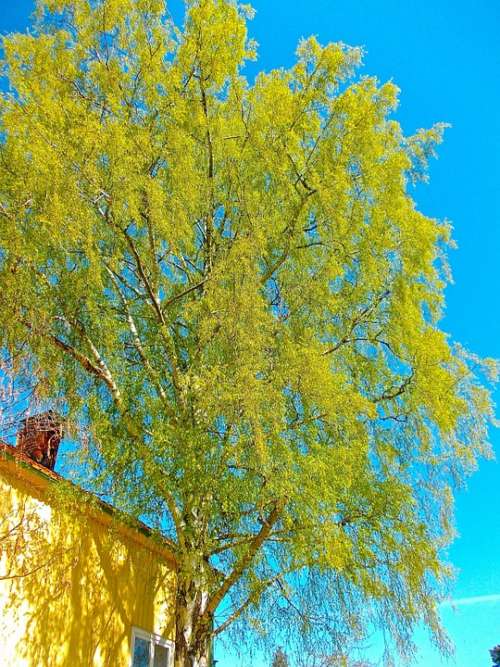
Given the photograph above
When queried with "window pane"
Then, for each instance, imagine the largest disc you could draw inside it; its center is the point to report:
(161, 656)
(141, 652)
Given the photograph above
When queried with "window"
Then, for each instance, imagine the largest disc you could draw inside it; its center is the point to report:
(150, 650)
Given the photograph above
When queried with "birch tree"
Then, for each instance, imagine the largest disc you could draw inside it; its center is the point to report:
(227, 284)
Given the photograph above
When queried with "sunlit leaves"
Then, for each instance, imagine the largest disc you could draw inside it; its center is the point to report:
(229, 285)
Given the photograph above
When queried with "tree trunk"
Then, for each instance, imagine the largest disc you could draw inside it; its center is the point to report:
(193, 630)
(183, 658)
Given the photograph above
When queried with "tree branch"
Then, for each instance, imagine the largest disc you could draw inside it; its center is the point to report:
(246, 560)
(397, 391)
(100, 370)
(251, 598)
(137, 341)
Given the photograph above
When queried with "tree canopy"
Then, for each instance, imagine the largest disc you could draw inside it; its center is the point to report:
(226, 286)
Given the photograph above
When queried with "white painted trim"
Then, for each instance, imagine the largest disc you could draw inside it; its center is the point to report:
(153, 639)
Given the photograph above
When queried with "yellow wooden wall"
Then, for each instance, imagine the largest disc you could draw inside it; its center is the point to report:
(96, 580)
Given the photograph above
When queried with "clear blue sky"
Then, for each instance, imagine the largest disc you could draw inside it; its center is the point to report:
(445, 57)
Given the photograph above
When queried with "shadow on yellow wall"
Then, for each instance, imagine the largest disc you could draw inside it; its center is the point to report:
(73, 583)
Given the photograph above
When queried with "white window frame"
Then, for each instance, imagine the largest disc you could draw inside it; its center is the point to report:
(153, 639)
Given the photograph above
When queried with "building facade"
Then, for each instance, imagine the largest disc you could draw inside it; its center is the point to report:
(79, 586)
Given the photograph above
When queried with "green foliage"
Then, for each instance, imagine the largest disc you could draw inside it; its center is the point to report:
(495, 654)
(233, 293)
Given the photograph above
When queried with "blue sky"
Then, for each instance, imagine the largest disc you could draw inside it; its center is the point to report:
(445, 57)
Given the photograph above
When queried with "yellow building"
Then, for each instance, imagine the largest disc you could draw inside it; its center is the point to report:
(79, 587)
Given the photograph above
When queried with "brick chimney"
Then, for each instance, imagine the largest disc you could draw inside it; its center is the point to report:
(39, 437)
